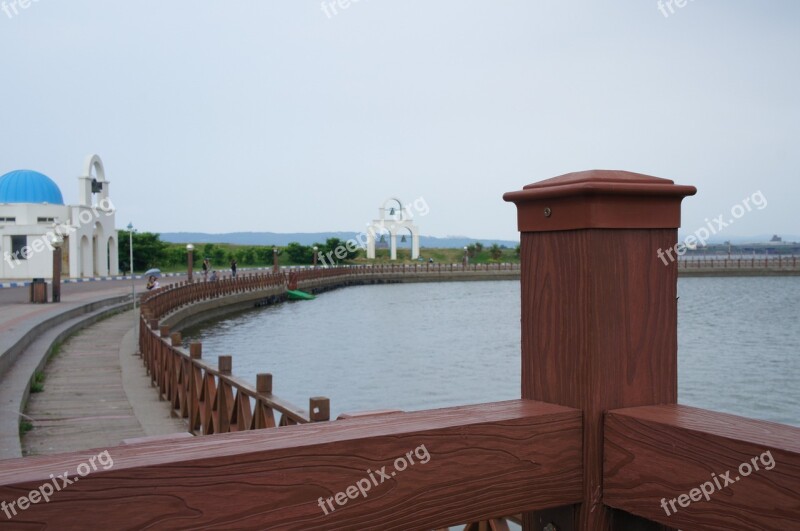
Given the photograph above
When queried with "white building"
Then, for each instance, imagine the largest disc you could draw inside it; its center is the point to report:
(34, 218)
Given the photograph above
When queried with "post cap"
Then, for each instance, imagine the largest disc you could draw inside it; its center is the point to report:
(599, 199)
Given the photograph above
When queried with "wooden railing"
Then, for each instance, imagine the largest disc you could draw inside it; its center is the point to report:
(763, 262)
(210, 398)
(597, 442)
(155, 305)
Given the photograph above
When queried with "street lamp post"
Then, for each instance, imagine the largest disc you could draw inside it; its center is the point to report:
(466, 250)
(56, 271)
(133, 283)
(275, 268)
(315, 256)
(190, 260)
(57, 257)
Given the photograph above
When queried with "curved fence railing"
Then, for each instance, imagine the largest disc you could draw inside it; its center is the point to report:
(211, 398)
(770, 262)
(169, 298)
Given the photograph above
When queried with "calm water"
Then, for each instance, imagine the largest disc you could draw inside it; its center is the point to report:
(420, 346)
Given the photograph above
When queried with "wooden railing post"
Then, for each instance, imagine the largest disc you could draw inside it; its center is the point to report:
(195, 376)
(319, 409)
(599, 310)
(264, 383)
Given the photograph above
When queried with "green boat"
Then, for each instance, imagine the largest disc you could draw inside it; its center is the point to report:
(297, 295)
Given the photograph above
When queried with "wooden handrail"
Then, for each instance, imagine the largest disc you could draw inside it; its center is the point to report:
(470, 463)
(661, 463)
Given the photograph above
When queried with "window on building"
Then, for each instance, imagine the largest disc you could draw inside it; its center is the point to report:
(45, 220)
(8, 220)
(17, 244)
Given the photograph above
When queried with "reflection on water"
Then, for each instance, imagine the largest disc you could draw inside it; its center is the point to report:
(421, 346)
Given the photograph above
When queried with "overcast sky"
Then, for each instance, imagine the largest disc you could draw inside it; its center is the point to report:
(275, 116)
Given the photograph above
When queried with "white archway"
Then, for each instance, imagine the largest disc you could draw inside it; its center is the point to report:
(392, 218)
(93, 181)
(94, 162)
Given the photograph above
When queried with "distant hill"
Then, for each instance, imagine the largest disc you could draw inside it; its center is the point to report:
(309, 238)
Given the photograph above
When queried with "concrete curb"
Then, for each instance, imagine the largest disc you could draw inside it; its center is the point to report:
(10, 355)
(32, 353)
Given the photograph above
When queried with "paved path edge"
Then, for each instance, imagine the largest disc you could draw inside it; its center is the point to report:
(32, 353)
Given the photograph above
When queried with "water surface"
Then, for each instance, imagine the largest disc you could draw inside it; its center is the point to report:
(420, 346)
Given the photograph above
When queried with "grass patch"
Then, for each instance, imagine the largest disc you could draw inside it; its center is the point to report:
(24, 427)
(37, 385)
(55, 350)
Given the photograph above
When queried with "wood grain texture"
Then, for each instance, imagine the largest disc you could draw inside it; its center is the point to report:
(486, 461)
(599, 332)
(595, 199)
(665, 451)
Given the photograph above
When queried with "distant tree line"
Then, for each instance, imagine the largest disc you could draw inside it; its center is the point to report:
(150, 251)
(495, 252)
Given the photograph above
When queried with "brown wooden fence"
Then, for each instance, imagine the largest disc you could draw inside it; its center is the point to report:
(210, 398)
(777, 263)
(597, 441)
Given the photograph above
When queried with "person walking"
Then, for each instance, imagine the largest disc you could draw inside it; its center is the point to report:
(206, 267)
(233, 267)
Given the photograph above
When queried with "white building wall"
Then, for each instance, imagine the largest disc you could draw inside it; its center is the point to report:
(88, 231)
(39, 237)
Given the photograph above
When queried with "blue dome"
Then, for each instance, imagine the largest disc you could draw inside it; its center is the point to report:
(27, 186)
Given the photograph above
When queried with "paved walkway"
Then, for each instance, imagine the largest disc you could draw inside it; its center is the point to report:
(87, 395)
(35, 327)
